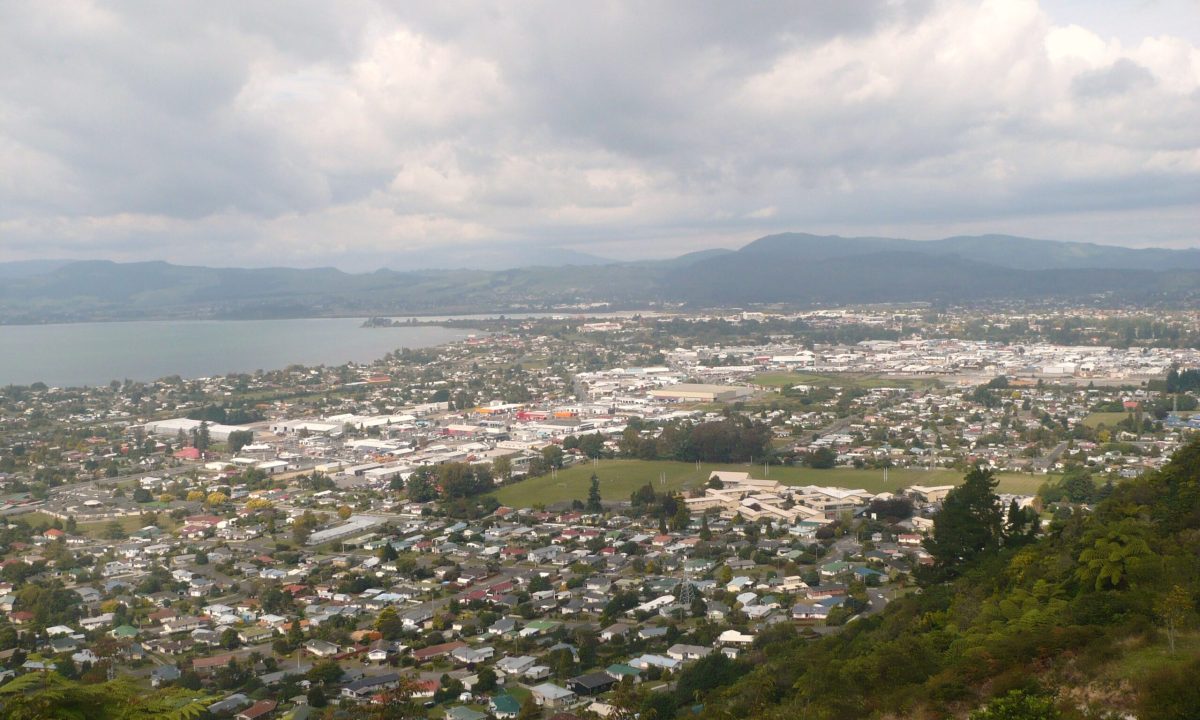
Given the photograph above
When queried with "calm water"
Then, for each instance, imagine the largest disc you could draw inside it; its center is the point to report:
(95, 353)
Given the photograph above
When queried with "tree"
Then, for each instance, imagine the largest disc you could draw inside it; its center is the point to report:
(502, 468)
(316, 697)
(344, 512)
(592, 445)
(593, 498)
(115, 531)
(1078, 486)
(202, 437)
(303, 526)
(1022, 525)
(295, 635)
(1114, 557)
(552, 455)
(822, 458)
(681, 517)
(389, 624)
(325, 672)
(239, 439)
(969, 525)
(387, 553)
(1176, 609)
(1018, 705)
(216, 498)
(229, 639)
(420, 487)
(486, 680)
(48, 696)
(448, 689)
(530, 710)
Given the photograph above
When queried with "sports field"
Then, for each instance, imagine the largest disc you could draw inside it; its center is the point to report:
(850, 380)
(619, 478)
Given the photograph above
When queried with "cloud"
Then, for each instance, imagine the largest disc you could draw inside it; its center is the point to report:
(306, 134)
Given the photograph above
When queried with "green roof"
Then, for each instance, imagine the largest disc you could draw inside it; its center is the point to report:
(125, 631)
(622, 669)
(506, 704)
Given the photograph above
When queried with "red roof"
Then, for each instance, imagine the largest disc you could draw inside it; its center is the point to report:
(436, 650)
(211, 662)
(257, 710)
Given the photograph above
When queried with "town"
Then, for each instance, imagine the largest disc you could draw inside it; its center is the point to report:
(558, 517)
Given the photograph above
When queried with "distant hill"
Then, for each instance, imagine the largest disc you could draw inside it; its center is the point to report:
(1003, 250)
(812, 269)
(28, 268)
(793, 269)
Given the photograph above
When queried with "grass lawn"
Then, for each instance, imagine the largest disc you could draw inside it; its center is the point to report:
(850, 380)
(96, 529)
(619, 478)
(1110, 419)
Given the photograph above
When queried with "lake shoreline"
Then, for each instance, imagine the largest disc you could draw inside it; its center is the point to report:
(92, 354)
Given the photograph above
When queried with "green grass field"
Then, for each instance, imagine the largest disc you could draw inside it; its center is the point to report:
(849, 380)
(1110, 419)
(619, 478)
(96, 529)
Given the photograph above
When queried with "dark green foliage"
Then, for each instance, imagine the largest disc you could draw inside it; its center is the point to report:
(239, 439)
(822, 458)
(969, 525)
(1170, 694)
(421, 487)
(707, 674)
(593, 499)
(1182, 381)
(1017, 705)
(1008, 625)
(316, 697)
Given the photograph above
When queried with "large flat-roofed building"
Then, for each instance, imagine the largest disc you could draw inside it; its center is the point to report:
(689, 392)
(171, 428)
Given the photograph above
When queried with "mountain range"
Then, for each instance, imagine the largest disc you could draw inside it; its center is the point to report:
(792, 269)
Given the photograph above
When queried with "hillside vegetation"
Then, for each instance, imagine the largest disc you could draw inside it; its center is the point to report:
(792, 268)
(1093, 619)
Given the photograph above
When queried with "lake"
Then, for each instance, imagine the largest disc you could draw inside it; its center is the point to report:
(96, 353)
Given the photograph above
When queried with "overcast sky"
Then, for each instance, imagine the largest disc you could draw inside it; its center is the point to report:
(362, 134)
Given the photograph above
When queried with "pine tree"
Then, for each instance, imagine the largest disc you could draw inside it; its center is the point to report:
(593, 499)
(969, 525)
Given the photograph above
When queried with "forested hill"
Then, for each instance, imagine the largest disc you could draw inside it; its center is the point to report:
(1077, 623)
(793, 269)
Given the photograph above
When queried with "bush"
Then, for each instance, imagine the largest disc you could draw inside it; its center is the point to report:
(1170, 694)
(1018, 705)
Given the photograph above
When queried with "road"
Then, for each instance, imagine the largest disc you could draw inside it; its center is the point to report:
(1047, 461)
(838, 425)
(877, 599)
